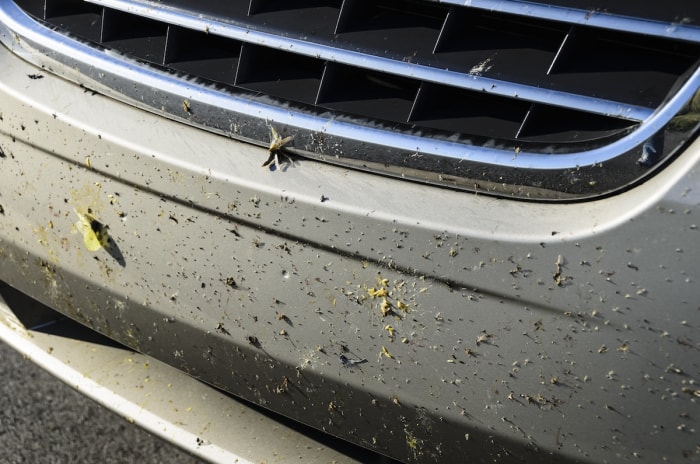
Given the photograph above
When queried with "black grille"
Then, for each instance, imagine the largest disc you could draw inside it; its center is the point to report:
(536, 100)
(629, 70)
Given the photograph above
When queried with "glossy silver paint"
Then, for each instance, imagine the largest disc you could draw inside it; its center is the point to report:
(494, 330)
(163, 400)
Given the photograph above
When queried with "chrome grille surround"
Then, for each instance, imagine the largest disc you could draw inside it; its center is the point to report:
(641, 138)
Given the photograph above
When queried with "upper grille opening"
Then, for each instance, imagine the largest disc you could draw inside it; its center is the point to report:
(143, 38)
(372, 93)
(198, 53)
(635, 69)
(279, 73)
(480, 37)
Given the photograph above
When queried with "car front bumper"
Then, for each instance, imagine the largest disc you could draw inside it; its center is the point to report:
(491, 329)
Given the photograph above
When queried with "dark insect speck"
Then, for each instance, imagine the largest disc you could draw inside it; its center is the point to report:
(96, 226)
(347, 362)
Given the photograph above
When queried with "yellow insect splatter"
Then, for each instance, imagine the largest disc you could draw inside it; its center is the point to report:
(386, 353)
(95, 234)
(385, 307)
(374, 293)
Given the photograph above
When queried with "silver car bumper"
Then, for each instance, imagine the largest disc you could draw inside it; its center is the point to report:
(423, 323)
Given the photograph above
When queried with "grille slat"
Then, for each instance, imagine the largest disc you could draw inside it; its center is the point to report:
(678, 19)
(439, 106)
(473, 41)
(144, 38)
(198, 53)
(562, 125)
(634, 69)
(441, 71)
(81, 18)
(362, 92)
(280, 74)
(500, 73)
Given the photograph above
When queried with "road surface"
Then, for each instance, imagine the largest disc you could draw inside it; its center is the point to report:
(42, 420)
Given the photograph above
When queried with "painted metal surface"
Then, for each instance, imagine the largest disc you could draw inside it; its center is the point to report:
(155, 396)
(493, 330)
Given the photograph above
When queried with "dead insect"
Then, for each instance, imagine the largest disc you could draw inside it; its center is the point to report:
(373, 293)
(35, 76)
(186, 106)
(386, 353)
(385, 307)
(253, 340)
(559, 278)
(282, 388)
(483, 338)
(221, 329)
(95, 234)
(277, 144)
(347, 362)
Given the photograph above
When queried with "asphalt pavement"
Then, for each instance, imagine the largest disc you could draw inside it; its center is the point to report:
(43, 420)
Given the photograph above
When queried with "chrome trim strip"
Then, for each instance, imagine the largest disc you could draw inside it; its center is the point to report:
(170, 15)
(115, 75)
(588, 18)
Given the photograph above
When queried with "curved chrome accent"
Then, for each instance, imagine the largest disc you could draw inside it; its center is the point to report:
(170, 15)
(590, 18)
(164, 94)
